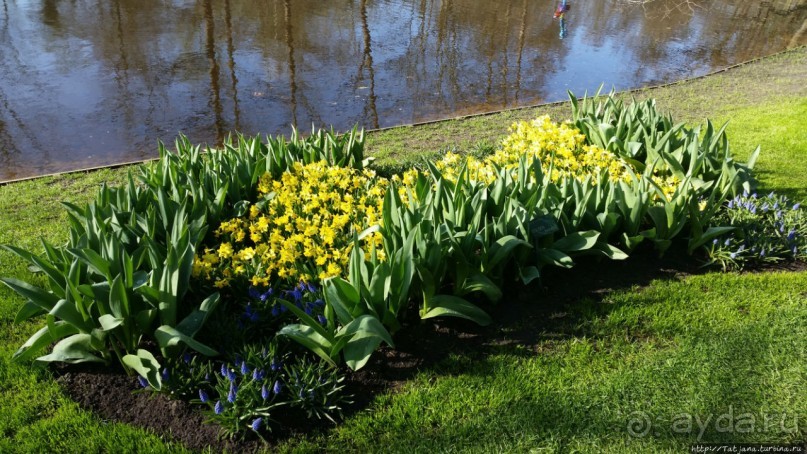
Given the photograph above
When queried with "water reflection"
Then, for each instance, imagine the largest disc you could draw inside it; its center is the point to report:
(86, 82)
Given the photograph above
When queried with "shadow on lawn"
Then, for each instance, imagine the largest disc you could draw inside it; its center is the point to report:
(525, 316)
(706, 403)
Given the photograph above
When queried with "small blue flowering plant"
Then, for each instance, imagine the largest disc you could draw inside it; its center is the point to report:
(243, 395)
(767, 229)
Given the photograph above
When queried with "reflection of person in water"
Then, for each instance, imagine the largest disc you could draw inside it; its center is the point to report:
(560, 13)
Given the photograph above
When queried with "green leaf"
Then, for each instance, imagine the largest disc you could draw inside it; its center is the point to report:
(191, 324)
(93, 260)
(74, 349)
(478, 282)
(118, 299)
(146, 365)
(577, 241)
(307, 319)
(529, 274)
(453, 306)
(554, 257)
(365, 334)
(109, 322)
(169, 340)
(42, 338)
(28, 310)
(66, 310)
(612, 252)
(310, 339)
(710, 234)
(342, 296)
(502, 250)
(36, 295)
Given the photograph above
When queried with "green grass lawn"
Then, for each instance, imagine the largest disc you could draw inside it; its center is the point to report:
(675, 352)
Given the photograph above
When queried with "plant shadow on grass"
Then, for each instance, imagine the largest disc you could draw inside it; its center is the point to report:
(561, 307)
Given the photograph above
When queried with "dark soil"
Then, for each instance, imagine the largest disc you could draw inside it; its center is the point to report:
(526, 316)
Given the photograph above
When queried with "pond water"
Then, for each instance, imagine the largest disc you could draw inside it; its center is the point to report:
(86, 83)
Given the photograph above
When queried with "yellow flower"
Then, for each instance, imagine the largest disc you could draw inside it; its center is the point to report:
(225, 250)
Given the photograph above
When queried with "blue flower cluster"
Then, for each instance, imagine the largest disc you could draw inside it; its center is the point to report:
(244, 393)
(766, 229)
(264, 304)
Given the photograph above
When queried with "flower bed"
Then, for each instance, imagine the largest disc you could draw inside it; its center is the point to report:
(195, 276)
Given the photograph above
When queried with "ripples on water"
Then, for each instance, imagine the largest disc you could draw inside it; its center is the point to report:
(87, 83)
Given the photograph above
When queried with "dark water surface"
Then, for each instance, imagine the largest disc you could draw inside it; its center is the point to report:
(86, 83)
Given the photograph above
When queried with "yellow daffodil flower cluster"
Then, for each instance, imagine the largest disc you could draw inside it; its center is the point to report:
(668, 185)
(302, 230)
(560, 147)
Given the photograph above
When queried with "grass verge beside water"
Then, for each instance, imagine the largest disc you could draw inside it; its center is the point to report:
(703, 346)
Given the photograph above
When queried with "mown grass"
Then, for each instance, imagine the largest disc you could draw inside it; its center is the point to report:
(706, 345)
(703, 346)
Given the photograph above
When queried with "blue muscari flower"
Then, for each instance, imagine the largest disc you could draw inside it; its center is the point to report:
(276, 365)
(187, 358)
(219, 408)
(771, 195)
(265, 295)
(233, 393)
(258, 375)
(244, 368)
(223, 370)
(796, 206)
(733, 255)
(264, 392)
(276, 389)
(254, 293)
(296, 294)
(731, 204)
(207, 377)
(230, 375)
(745, 193)
(779, 214)
(791, 235)
(727, 242)
(765, 207)
(753, 209)
(250, 313)
(754, 195)
(203, 396)
(776, 206)
(256, 424)
(782, 228)
(795, 250)
(321, 319)
(311, 287)
(276, 310)
(165, 374)
(319, 302)
(762, 252)
(143, 382)
(308, 309)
